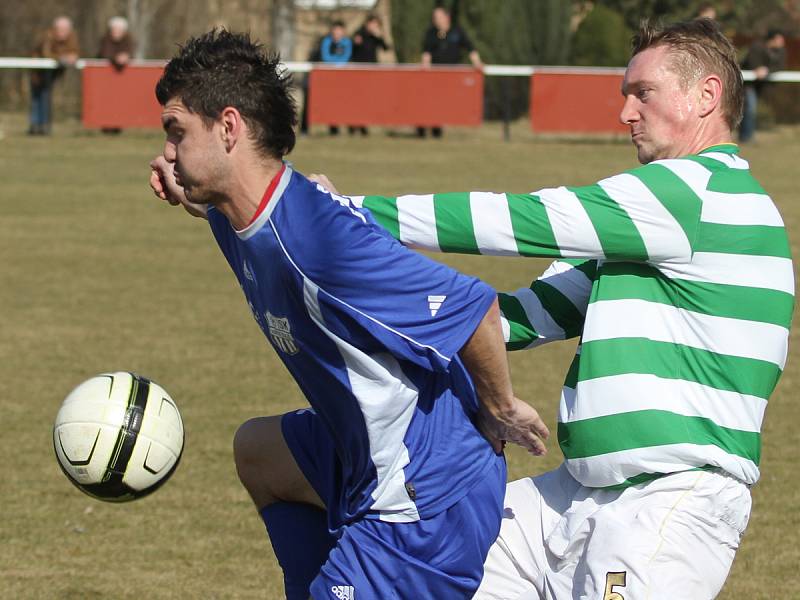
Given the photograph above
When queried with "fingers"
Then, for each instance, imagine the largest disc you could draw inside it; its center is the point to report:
(495, 442)
(157, 184)
(323, 181)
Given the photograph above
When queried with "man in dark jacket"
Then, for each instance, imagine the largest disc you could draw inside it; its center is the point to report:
(368, 39)
(763, 58)
(444, 44)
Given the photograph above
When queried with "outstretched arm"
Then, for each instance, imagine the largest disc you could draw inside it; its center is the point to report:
(647, 215)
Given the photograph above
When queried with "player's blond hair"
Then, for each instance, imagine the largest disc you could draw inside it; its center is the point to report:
(698, 48)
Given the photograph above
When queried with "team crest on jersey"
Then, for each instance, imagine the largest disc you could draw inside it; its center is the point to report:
(280, 332)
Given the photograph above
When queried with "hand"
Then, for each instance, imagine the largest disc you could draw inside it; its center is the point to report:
(164, 186)
(518, 423)
(761, 72)
(323, 181)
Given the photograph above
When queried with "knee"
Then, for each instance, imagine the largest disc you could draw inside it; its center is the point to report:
(250, 451)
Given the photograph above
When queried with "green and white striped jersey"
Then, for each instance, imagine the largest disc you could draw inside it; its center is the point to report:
(679, 281)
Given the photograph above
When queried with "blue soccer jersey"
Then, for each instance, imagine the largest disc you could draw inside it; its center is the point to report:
(370, 331)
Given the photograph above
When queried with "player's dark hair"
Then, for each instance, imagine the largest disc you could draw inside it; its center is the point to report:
(220, 69)
(699, 48)
(337, 23)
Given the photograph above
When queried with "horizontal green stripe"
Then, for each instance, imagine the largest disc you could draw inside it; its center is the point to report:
(531, 225)
(727, 180)
(604, 358)
(734, 181)
(752, 240)
(385, 212)
(621, 281)
(676, 196)
(454, 227)
(646, 428)
(559, 307)
(617, 233)
(522, 332)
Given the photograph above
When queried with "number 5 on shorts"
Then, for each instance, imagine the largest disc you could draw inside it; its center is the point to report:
(613, 580)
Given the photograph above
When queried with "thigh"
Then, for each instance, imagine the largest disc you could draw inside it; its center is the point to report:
(519, 559)
(267, 466)
(661, 542)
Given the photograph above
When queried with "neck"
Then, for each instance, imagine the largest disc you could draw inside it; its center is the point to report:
(712, 134)
(246, 189)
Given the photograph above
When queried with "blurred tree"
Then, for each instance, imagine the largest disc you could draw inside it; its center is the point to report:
(516, 32)
(602, 39)
(410, 20)
(282, 22)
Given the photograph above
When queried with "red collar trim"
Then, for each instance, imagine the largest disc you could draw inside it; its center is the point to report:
(267, 195)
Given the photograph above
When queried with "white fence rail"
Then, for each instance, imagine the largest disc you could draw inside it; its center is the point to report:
(305, 67)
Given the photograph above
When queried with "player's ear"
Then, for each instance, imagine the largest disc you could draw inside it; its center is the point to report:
(232, 127)
(710, 94)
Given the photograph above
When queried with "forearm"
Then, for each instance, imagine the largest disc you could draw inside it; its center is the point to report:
(475, 59)
(484, 357)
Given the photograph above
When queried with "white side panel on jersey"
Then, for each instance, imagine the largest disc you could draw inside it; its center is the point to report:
(387, 399)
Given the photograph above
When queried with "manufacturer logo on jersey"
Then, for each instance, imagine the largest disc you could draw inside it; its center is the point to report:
(248, 272)
(344, 592)
(435, 303)
(280, 332)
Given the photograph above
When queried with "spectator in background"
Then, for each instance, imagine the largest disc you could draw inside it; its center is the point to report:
(59, 42)
(763, 58)
(444, 44)
(117, 44)
(368, 39)
(336, 48)
(366, 42)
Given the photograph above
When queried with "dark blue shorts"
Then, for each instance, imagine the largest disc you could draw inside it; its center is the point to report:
(436, 558)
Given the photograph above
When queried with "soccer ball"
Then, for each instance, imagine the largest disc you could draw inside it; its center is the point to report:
(118, 436)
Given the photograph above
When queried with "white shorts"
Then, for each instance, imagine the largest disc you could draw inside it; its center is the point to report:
(674, 537)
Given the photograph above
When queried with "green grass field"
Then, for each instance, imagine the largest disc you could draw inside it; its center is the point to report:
(98, 275)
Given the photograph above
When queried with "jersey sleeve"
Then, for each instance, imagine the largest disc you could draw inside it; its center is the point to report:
(552, 308)
(375, 294)
(649, 214)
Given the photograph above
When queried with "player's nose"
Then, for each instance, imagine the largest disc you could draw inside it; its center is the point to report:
(169, 152)
(628, 114)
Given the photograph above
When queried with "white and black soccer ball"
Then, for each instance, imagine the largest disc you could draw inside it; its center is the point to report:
(118, 436)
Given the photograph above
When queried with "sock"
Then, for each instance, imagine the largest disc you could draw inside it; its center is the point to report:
(301, 541)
